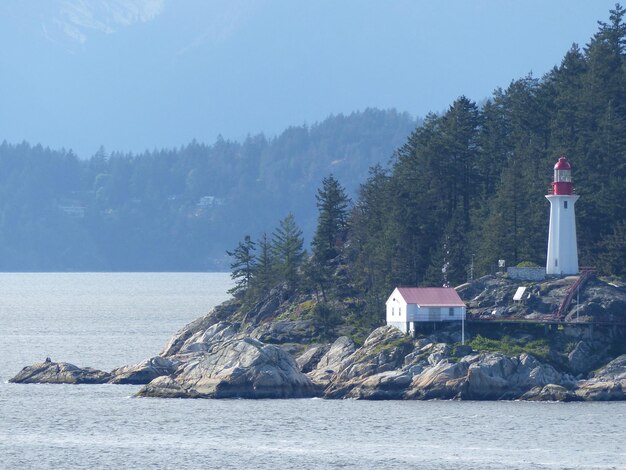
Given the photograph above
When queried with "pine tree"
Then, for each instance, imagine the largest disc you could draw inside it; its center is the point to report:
(242, 266)
(332, 204)
(263, 273)
(288, 252)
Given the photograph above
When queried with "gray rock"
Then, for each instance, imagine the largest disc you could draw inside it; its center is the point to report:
(49, 372)
(219, 313)
(496, 376)
(442, 381)
(144, 372)
(614, 370)
(285, 331)
(439, 352)
(550, 392)
(239, 368)
(389, 385)
(309, 360)
(593, 390)
(207, 339)
(581, 359)
(384, 350)
(332, 361)
(607, 383)
(167, 387)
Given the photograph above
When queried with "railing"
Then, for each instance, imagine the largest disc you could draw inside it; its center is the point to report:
(585, 275)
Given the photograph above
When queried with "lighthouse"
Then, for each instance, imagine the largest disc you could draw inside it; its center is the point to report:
(562, 256)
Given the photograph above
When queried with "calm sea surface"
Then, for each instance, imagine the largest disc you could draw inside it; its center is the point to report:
(108, 320)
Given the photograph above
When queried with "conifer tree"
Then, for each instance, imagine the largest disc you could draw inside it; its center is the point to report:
(263, 272)
(288, 252)
(242, 266)
(332, 204)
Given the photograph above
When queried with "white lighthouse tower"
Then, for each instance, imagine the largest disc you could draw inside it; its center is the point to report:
(562, 247)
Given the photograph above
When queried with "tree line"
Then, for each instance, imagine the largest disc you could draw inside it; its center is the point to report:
(467, 187)
(176, 209)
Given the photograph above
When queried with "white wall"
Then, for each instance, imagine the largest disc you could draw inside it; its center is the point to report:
(562, 256)
(396, 308)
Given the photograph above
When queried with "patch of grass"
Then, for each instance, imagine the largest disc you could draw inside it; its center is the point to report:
(569, 347)
(404, 341)
(539, 348)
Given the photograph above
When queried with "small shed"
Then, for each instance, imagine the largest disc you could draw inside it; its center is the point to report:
(409, 305)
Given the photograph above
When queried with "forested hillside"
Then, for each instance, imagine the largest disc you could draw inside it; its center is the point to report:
(178, 209)
(467, 189)
(470, 183)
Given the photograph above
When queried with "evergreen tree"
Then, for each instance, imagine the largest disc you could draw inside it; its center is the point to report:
(288, 252)
(263, 273)
(242, 267)
(332, 205)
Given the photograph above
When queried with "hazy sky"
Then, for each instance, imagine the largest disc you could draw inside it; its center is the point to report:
(137, 74)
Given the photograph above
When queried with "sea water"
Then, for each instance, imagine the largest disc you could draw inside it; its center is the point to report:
(105, 320)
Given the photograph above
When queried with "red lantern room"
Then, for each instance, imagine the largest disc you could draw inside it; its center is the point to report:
(562, 184)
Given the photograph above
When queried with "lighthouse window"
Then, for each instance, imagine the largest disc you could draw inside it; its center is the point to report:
(564, 204)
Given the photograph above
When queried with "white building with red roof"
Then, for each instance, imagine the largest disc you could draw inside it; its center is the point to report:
(409, 305)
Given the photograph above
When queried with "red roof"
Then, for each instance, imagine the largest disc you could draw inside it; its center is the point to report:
(431, 296)
(562, 164)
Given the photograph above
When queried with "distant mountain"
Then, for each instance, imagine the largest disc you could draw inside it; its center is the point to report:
(178, 209)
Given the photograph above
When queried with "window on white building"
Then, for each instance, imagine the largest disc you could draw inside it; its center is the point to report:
(451, 311)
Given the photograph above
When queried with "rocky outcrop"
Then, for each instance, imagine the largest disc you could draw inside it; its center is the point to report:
(493, 376)
(144, 372)
(550, 392)
(309, 359)
(389, 385)
(443, 381)
(206, 339)
(384, 350)
(219, 313)
(492, 296)
(332, 361)
(49, 372)
(285, 331)
(167, 387)
(607, 383)
(238, 368)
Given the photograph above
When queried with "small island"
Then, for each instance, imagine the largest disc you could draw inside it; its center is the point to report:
(282, 349)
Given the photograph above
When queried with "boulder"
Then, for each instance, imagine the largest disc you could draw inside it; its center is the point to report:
(144, 372)
(238, 368)
(49, 372)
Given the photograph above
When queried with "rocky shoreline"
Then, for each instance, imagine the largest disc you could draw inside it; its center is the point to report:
(215, 357)
(222, 363)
